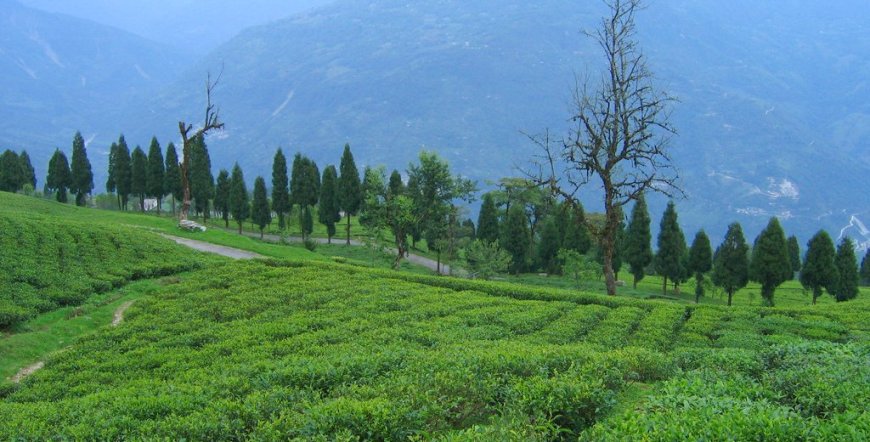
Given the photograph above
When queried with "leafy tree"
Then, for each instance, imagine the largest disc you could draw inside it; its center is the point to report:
(222, 196)
(671, 248)
(280, 189)
(172, 182)
(549, 246)
(794, 254)
(865, 268)
(770, 265)
(349, 187)
(139, 175)
(59, 176)
(819, 269)
(485, 259)
(81, 174)
(487, 221)
(328, 213)
(260, 212)
(28, 175)
(239, 206)
(156, 173)
(700, 261)
(201, 180)
(10, 172)
(846, 287)
(580, 266)
(638, 249)
(122, 171)
(515, 239)
(577, 236)
(621, 133)
(731, 262)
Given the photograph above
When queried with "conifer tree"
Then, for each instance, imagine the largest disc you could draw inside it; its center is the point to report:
(122, 171)
(794, 255)
(222, 196)
(260, 212)
(139, 175)
(638, 248)
(328, 213)
(577, 236)
(280, 189)
(172, 178)
(549, 246)
(865, 268)
(700, 261)
(239, 197)
(201, 178)
(10, 172)
(395, 187)
(770, 265)
(81, 174)
(846, 287)
(59, 177)
(112, 180)
(349, 187)
(731, 262)
(156, 178)
(671, 248)
(487, 220)
(306, 222)
(515, 238)
(819, 269)
(28, 175)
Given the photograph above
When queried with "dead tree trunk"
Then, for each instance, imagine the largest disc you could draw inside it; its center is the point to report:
(212, 122)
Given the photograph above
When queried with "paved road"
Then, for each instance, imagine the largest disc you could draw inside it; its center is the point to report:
(203, 246)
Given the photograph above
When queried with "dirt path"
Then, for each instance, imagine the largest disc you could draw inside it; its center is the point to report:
(27, 371)
(202, 246)
(118, 316)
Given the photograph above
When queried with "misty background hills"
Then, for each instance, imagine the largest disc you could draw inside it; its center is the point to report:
(773, 117)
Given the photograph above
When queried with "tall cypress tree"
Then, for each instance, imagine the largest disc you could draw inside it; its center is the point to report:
(671, 248)
(515, 238)
(395, 187)
(577, 236)
(349, 187)
(239, 197)
(731, 262)
(846, 287)
(156, 173)
(819, 269)
(328, 213)
(28, 175)
(80, 169)
(201, 179)
(549, 247)
(139, 175)
(794, 255)
(122, 171)
(770, 265)
(487, 220)
(638, 247)
(865, 268)
(700, 261)
(59, 177)
(10, 172)
(280, 189)
(222, 196)
(172, 179)
(112, 180)
(260, 212)
(306, 222)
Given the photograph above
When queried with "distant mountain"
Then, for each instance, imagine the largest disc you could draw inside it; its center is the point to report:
(773, 117)
(59, 74)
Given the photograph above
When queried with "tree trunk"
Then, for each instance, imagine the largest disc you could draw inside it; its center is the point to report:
(608, 238)
(348, 229)
(240, 227)
(173, 205)
(438, 263)
(665, 286)
(730, 294)
(636, 280)
(261, 234)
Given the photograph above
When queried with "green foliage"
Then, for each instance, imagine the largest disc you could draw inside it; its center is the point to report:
(261, 215)
(548, 247)
(139, 175)
(846, 287)
(577, 236)
(28, 175)
(172, 181)
(156, 173)
(865, 268)
(58, 179)
(306, 222)
(120, 168)
(239, 207)
(328, 210)
(671, 248)
(111, 180)
(201, 179)
(819, 270)
(280, 188)
(304, 181)
(222, 196)
(487, 220)
(638, 248)
(580, 267)
(349, 187)
(395, 187)
(515, 238)
(11, 173)
(731, 262)
(81, 175)
(700, 261)
(770, 265)
(794, 254)
(486, 259)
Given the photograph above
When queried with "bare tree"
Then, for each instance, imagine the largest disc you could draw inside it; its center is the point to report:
(621, 132)
(212, 122)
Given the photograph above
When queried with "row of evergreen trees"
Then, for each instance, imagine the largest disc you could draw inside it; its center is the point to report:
(16, 172)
